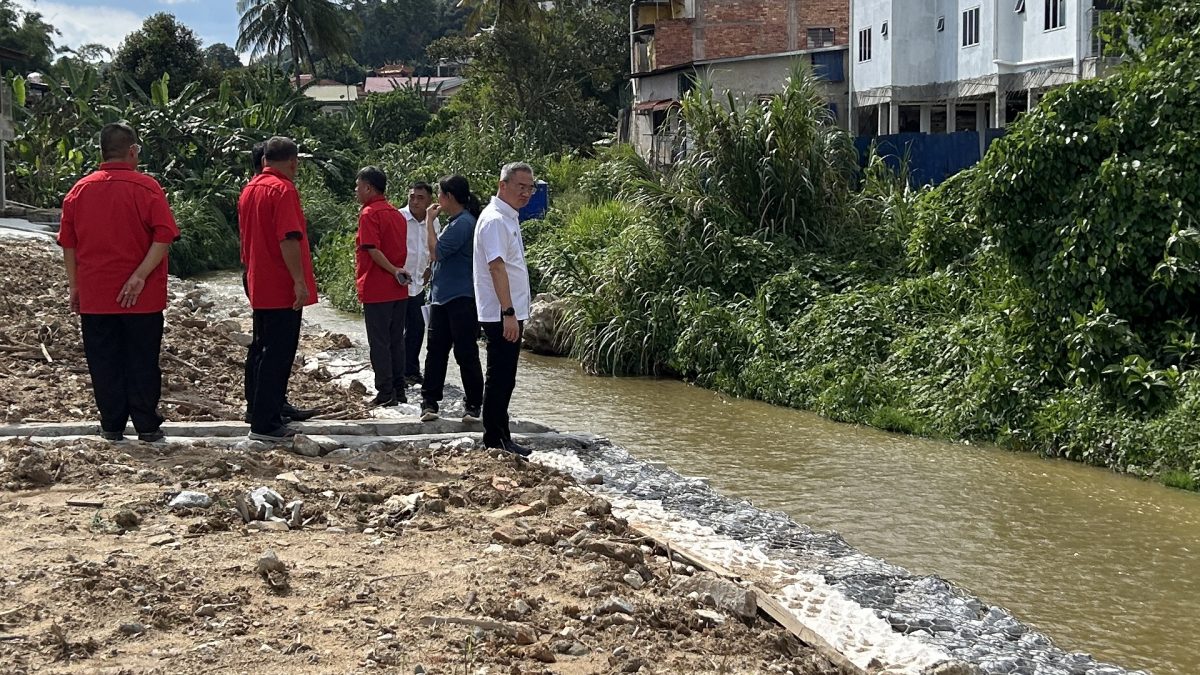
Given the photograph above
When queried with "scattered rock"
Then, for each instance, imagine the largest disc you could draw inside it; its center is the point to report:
(542, 654)
(191, 500)
(228, 326)
(514, 511)
(594, 479)
(616, 605)
(205, 611)
(634, 580)
(265, 503)
(598, 508)
(126, 519)
(634, 665)
(511, 535)
(305, 446)
(272, 570)
(268, 526)
(543, 333)
(289, 477)
(357, 388)
(131, 629)
(162, 540)
(31, 468)
(625, 553)
(199, 324)
(570, 648)
(710, 617)
(242, 339)
(725, 595)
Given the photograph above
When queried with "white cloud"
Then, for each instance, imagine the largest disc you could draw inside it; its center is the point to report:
(175, 2)
(83, 24)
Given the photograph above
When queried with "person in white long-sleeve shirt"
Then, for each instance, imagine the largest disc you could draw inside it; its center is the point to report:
(420, 196)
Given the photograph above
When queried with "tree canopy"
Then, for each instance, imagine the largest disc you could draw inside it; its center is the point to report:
(28, 33)
(162, 45)
(222, 57)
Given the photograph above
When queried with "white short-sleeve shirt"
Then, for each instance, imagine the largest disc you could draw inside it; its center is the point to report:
(498, 235)
(418, 250)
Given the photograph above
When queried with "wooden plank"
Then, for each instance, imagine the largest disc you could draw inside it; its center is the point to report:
(788, 619)
(85, 503)
(766, 602)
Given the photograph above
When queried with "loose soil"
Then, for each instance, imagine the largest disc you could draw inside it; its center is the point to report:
(409, 557)
(460, 583)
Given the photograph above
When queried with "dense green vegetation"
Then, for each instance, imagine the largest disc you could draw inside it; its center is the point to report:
(1044, 300)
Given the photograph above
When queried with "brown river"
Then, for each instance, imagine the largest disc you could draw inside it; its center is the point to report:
(1102, 563)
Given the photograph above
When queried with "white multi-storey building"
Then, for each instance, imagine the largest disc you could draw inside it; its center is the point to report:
(939, 66)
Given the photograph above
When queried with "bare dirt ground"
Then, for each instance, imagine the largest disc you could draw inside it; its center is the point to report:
(410, 557)
(413, 565)
(44, 376)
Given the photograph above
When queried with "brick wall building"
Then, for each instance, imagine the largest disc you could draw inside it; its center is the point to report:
(747, 47)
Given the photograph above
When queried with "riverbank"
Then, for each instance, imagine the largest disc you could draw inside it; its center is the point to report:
(423, 554)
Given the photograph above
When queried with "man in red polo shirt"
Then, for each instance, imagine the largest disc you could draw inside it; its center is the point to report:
(116, 229)
(382, 283)
(279, 281)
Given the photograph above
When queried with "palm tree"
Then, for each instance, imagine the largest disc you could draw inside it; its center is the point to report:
(502, 12)
(270, 26)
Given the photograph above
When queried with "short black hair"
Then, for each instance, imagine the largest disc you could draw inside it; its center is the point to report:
(280, 149)
(422, 185)
(256, 157)
(115, 140)
(373, 176)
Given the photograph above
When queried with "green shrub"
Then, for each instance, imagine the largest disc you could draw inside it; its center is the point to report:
(206, 240)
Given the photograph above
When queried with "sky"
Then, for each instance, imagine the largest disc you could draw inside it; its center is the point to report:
(109, 21)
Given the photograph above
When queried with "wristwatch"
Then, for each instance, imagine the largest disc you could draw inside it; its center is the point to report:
(511, 311)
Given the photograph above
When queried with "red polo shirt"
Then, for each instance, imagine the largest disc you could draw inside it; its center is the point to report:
(380, 226)
(110, 218)
(268, 212)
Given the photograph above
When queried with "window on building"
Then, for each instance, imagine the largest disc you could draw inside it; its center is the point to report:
(884, 30)
(864, 45)
(686, 83)
(970, 27)
(1056, 14)
(820, 37)
(1020, 8)
(941, 24)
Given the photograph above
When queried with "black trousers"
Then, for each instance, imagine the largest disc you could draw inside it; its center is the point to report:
(453, 325)
(414, 334)
(386, 322)
(501, 380)
(269, 365)
(122, 356)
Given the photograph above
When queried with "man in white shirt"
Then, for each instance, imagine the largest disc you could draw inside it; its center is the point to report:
(502, 298)
(420, 195)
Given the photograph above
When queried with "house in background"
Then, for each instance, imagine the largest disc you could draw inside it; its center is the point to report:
(943, 66)
(331, 94)
(437, 89)
(745, 47)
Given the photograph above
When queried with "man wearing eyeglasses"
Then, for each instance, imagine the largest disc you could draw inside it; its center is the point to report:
(502, 298)
(116, 229)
